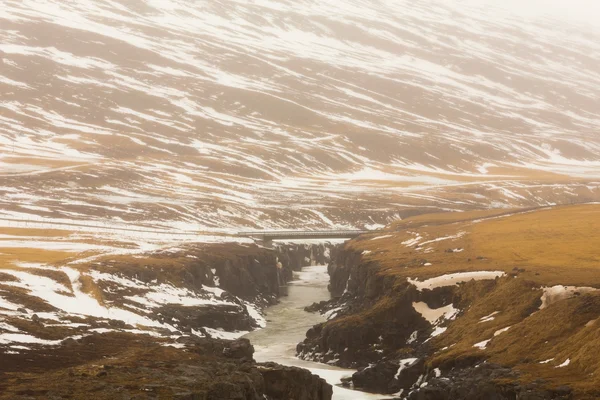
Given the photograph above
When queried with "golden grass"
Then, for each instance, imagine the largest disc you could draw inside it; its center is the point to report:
(91, 288)
(536, 248)
(511, 299)
(448, 217)
(554, 246)
(10, 256)
(560, 244)
(25, 232)
(563, 331)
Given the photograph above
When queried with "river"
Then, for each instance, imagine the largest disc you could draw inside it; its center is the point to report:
(287, 323)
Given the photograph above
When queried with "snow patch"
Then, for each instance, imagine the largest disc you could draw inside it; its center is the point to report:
(405, 363)
(435, 315)
(501, 331)
(438, 331)
(454, 279)
(559, 292)
(381, 237)
(489, 318)
(482, 345)
(413, 337)
(567, 362)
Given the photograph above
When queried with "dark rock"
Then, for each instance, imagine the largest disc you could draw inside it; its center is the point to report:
(317, 307)
(226, 316)
(240, 348)
(225, 391)
(115, 323)
(381, 377)
(293, 383)
(190, 396)
(69, 342)
(408, 376)
(485, 382)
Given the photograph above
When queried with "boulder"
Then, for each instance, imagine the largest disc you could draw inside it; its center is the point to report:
(292, 383)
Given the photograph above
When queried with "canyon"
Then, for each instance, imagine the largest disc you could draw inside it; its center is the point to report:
(139, 138)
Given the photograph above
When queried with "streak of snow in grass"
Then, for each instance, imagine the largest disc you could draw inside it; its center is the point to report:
(453, 279)
(221, 334)
(440, 239)
(382, 237)
(567, 362)
(482, 345)
(405, 363)
(434, 315)
(489, 318)
(8, 305)
(437, 331)
(6, 338)
(413, 241)
(102, 330)
(175, 345)
(501, 331)
(8, 327)
(559, 292)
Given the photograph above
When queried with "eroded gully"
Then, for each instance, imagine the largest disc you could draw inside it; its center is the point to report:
(287, 325)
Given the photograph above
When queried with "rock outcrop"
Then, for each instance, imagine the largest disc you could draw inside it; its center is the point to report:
(486, 382)
(467, 307)
(196, 294)
(125, 366)
(293, 383)
(356, 342)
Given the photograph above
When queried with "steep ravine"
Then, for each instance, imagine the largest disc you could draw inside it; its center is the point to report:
(195, 295)
(392, 331)
(287, 325)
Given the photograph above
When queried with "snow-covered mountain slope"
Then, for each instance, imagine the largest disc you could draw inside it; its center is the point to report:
(183, 116)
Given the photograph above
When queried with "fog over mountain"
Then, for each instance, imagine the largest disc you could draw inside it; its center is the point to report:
(452, 147)
(187, 116)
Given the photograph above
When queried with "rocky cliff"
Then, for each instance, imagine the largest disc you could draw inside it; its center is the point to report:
(149, 325)
(483, 305)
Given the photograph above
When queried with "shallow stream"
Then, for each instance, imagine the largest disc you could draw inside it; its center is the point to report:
(287, 323)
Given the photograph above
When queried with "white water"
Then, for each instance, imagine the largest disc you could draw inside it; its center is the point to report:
(287, 323)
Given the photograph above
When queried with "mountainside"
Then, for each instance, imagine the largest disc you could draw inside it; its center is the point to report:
(462, 306)
(179, 116)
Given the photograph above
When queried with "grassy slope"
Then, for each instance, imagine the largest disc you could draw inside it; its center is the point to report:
(536, 248)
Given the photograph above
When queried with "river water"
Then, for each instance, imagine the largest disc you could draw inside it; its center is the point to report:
(287, 323)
